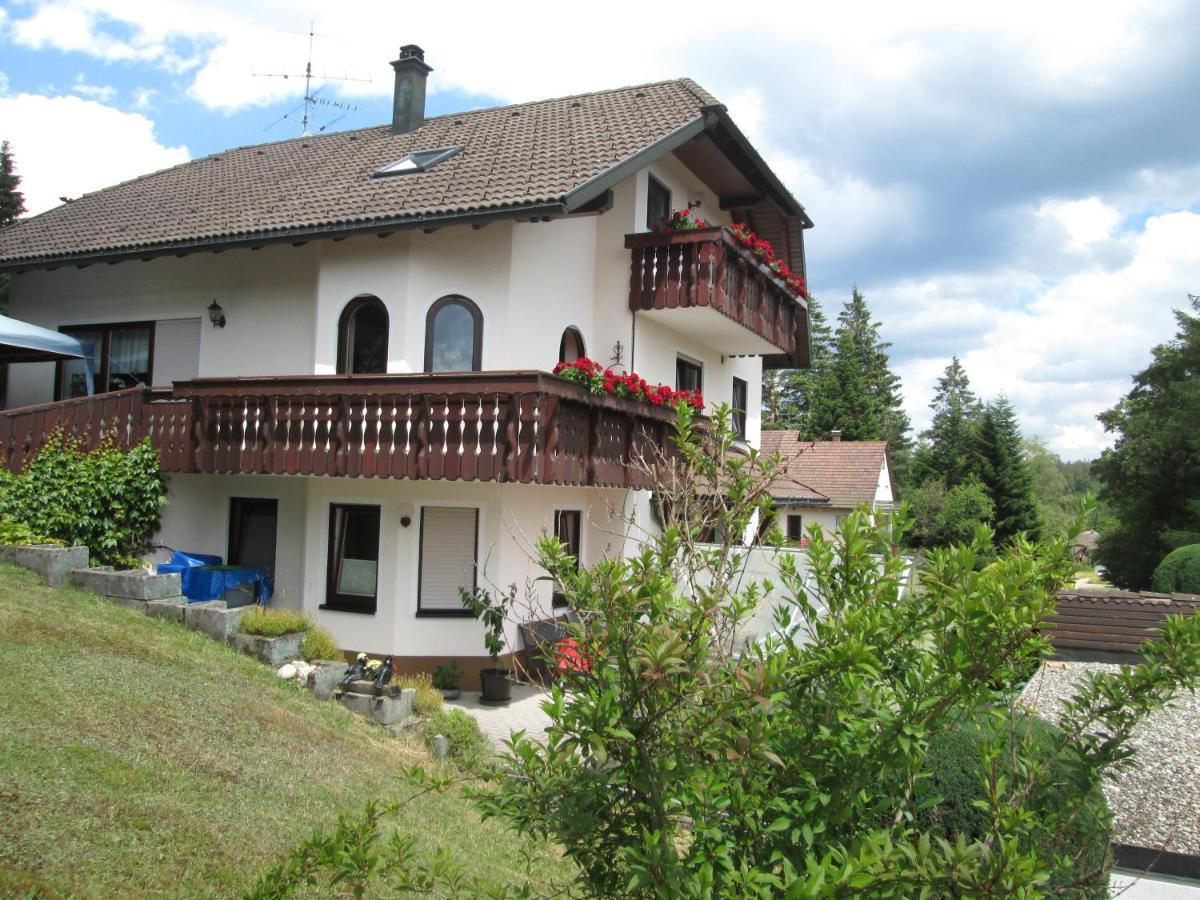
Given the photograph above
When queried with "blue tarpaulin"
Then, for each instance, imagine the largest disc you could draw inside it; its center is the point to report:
(205, 578)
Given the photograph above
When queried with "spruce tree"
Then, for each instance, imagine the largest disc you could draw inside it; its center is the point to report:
(1005, 472)
(12, 201)
(857, 393)
(949, 450)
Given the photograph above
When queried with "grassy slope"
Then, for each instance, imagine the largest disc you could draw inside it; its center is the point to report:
(140, 758)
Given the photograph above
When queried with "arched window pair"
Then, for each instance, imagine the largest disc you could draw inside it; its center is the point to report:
(453, 336)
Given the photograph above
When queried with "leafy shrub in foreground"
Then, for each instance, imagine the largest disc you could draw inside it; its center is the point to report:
(958, 780)
(108, 500)
(1179, 571)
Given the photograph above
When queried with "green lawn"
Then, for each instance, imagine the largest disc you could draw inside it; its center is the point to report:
(139, 758)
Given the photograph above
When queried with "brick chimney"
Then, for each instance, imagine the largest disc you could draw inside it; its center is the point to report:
(835, 436)
(408, 100)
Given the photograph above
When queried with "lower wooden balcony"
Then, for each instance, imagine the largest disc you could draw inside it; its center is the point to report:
(527, 427)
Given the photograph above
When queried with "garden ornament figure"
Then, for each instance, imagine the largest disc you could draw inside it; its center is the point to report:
(355, 670)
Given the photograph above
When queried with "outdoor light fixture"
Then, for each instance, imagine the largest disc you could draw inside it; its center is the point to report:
(216, 315)
(406, 514)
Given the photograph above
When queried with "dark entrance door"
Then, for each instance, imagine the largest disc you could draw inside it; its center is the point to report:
(252, 526)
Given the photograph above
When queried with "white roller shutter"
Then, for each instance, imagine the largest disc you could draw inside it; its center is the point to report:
(448, 537)
(176, 351)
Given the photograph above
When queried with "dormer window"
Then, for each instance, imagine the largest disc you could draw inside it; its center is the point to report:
(418, 161)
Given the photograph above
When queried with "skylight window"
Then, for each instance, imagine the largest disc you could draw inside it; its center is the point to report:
(418, 161)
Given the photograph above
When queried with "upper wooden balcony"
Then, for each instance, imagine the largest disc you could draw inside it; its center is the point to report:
(733, 302)
(527, 427)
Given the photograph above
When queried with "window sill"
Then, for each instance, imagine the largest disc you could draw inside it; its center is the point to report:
(337, 607)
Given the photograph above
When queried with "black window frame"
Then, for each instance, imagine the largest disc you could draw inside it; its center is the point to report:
(347, 321)
(351, 603)
(683, 365)
(663, 198)
(740, 406)
(558, 599)
(463, 613)
(239, 507)
(476, 318)
(795, 527)
(574, 333)
(102, 373)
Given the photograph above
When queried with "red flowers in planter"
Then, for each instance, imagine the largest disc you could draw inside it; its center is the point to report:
(764, 251)
(630, 385)
(680, 220)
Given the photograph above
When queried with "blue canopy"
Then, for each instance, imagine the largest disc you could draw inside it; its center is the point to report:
(22, 342)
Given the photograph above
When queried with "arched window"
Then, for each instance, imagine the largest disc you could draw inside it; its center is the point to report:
(570, 348)
(363, 337)
(453, 336)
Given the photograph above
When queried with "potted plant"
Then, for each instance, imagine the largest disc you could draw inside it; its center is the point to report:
(495, 684)
(445, 679)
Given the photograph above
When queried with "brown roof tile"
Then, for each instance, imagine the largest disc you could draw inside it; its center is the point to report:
(512, 157)
(844, 472)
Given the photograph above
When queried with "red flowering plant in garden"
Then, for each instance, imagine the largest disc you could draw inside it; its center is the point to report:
(764, 251)
(680, 220)
(568, 657)
(628, 385)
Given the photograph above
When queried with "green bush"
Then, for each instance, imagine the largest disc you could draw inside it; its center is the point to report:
(319, 644)
(19, 533)
(105, 499)
(467, 742)
(1080, 852)
(1179, 571)
(447, 675)
(270, 621)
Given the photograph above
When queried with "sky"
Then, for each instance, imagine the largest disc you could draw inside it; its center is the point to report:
(1016, 183)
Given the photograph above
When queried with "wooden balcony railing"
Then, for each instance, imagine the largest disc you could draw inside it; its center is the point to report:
(488, 426)
(708, 267)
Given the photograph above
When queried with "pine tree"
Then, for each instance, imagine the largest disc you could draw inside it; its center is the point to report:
(857, 393)
(949, 450)
(786, 392)
(12, 201)
(1005, 472)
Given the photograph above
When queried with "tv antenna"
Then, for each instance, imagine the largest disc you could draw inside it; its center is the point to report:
(312, 98)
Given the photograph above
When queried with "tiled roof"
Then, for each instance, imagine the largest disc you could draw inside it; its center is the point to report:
(844, 472)
(513, 157)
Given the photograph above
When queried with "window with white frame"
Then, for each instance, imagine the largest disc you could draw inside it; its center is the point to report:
(447, 566)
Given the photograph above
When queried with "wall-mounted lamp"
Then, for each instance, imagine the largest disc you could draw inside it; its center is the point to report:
(618, 351)
(216, 315)
(406, 514)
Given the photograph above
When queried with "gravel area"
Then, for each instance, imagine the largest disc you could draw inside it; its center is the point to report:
(1156, 803)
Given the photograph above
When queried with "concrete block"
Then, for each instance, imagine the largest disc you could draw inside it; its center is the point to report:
(134, 584)
(324, 679)
(384, 710)
(129, 603)
(51, 561)
(274, 651)
(214, 618)
(167, 608)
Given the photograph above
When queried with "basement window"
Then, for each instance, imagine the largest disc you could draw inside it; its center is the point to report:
(418, 161)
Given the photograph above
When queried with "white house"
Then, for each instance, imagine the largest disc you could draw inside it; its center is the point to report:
(341, 344)
(822, 481)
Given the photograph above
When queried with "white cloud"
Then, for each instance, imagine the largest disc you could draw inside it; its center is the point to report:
(143, 98)
(3, 83)
(67, 146)
(1086, 221)
(103, 93)
(1069, 353)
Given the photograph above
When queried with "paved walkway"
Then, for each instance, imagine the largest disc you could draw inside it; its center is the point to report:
(499, 721)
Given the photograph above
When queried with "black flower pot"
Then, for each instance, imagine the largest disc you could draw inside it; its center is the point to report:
(495, 685)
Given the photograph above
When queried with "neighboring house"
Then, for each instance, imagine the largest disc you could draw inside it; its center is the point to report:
(350, 337)
(822, 481)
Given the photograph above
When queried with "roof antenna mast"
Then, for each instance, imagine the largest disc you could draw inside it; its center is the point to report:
(311, 98)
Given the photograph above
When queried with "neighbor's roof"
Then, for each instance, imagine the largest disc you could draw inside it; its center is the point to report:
(539, 159)
(845, 473)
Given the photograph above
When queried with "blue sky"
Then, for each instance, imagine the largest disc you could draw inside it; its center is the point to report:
(1017, 184)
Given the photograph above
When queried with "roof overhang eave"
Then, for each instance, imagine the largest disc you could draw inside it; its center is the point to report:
(288, 235)
(783, 196)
